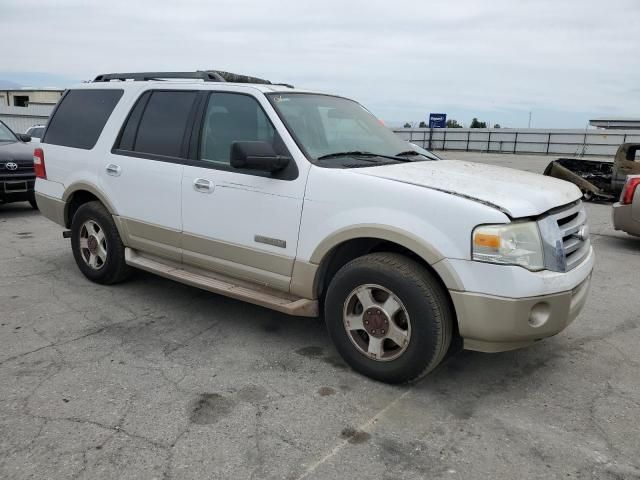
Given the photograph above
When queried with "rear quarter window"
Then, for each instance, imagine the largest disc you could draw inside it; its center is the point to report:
(80, 117)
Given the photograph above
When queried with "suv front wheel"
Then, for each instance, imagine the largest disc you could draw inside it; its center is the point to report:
(389, 318)
(97, 247)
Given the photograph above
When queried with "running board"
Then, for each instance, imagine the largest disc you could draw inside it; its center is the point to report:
(224, 285)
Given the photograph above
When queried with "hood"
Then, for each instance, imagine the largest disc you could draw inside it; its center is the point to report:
(516, 193)
(12, 151)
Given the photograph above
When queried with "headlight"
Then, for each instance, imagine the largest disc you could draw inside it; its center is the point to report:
(509, 244)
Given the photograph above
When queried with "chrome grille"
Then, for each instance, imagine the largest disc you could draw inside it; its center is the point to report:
(565, 235)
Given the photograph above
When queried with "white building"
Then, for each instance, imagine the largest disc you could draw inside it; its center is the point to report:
(22, 108)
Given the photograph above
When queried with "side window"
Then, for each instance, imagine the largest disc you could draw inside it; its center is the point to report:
(157, 123)
(163, 123)
(80, 117)
(128, 135)
(229, 118)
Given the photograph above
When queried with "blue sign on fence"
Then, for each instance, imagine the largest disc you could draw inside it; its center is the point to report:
(437, 120)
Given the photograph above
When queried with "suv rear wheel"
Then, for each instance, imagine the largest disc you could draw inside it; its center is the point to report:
(389, 318)
(97, 247)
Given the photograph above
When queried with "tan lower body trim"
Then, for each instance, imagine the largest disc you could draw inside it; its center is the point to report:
(51, 208)
(146, 237)
(237, 270)
(226, 258)
(304, 278)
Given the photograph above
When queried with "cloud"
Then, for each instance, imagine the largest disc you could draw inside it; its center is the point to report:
(402, 59)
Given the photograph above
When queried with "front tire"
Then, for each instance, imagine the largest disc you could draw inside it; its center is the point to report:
(96, 244)
(389, 318)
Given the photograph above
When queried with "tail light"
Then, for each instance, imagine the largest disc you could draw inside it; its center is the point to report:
(629, 190)
(38, 163)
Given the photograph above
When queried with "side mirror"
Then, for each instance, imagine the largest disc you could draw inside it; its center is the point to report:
(23, 137)
(261, 156)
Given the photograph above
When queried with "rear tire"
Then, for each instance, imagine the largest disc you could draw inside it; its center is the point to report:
(96, 244)
(33, 203)
(408, 317)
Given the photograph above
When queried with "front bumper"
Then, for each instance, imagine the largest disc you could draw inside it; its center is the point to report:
(624, 220)
(495, 324)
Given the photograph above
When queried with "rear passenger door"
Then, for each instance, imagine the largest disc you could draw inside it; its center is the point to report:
(142, 175)
(239, 222)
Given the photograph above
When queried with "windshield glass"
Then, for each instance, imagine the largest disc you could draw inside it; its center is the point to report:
(36, 131)
(324, 125)
(5, 134)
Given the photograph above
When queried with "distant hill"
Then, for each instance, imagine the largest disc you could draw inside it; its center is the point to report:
(35, 80)
(8, 84)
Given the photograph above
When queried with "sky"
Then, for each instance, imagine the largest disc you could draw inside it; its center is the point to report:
(565, 61)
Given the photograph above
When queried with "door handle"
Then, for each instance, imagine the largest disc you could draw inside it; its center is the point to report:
(113, 170)
(202, 185)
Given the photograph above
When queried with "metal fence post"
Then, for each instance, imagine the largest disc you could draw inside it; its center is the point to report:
(444, 140)
(548, 142)
(468, 136)
(515, 143)
(489, 142)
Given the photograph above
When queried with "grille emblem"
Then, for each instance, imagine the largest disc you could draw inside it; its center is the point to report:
(11, 166)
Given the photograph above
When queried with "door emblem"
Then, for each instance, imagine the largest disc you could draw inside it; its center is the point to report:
(11, 166)
(270, 241)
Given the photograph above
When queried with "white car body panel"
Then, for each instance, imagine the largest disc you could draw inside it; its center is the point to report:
(519, 194)
(338, 199)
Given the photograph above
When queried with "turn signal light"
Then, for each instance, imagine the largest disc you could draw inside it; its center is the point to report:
(38, 164)
(486, 240)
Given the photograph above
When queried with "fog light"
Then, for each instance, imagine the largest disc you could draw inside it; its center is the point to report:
(539, 314)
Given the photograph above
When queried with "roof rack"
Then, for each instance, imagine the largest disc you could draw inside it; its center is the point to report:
(204, 75)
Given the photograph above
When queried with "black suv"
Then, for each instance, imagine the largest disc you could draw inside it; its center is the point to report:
(17, 176)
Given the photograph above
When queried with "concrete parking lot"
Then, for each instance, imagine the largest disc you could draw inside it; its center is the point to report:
(153, 379)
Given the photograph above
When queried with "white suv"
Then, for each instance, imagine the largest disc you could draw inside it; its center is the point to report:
(305, 203)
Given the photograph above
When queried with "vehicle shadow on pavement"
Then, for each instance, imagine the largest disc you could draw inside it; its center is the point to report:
(619, 243)
(16, 210)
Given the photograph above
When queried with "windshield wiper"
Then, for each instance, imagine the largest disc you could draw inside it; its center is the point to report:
(358, 153)
(348, 154)
(408, 153)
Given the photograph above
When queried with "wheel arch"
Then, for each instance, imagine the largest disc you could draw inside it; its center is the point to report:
(80, 193)
(345, 245)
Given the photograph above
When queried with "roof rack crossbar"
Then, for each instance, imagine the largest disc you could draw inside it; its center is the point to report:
(204, 75)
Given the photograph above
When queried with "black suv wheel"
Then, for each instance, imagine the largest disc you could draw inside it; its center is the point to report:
(97, 247)
(389, 318)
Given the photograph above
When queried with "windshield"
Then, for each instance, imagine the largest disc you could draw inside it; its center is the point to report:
(6, 135)
(323, 125)
(36, 131)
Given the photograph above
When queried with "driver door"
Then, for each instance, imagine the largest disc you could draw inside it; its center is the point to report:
(238, 222)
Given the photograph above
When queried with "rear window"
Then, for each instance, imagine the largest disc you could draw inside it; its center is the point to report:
(80, 117)
(158, 123)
